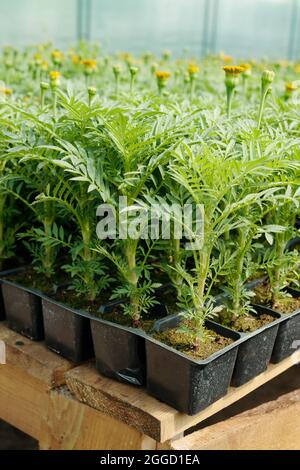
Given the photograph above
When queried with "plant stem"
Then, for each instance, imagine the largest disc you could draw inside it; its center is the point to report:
(229, 93)
(177, 279)
(132, 81)
(130, 253)
(237, 283)
(192, 88)
(262, 107)
(279, 248)
(202, 273)
(54, 96)
(117, 85)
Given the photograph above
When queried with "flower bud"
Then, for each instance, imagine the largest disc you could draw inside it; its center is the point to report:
(133, 71)
(154, 67)
(166, 55)
(44, 86)
(116, 71)
(92, 91)
(267, 77)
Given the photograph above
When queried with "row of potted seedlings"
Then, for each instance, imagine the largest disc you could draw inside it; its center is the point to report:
(186, 314)
(130, 355)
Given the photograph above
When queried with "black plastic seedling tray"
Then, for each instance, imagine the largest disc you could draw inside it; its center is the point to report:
(120, 351)
(8, 272)
(67, 331)
(288, 337)
(23, 309)
(184, 383)
(255, 349)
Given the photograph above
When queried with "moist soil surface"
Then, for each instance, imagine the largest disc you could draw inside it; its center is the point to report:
(69, 297)
(249, 323)
(182, 342)
(9, 264)
(33, 280)
(51, 287)
(286, 304)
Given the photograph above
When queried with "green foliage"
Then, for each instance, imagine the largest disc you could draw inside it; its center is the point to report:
(102, 132)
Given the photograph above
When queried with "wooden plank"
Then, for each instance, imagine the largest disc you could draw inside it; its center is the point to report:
(23, 400)
(126, 403)
(34, 358)
(70, 425)
(146, 414)
(274, 425)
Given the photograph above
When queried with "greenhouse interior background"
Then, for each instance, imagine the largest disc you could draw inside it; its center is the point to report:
(242, 28)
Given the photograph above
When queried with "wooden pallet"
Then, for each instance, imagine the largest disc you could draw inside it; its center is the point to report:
(69, 407)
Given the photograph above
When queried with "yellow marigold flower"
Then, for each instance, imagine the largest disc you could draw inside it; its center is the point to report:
(7, 91)
(193, 69)
(38, 57)
(90, 64)
(246, 67)
(75, 59)
(290, 87)
(162, 75)
(55, 75)
(56, 54)
(233, 69)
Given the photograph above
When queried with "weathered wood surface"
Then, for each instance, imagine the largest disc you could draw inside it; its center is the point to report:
(23, 400)
(155, 419)
(274, 425)
(70, 425)
(34, 358)
(68, 407)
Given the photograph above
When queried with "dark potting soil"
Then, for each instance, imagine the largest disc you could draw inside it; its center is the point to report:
(69, 297)
(33, 280)
(9, 264)
(182, 342)
(249, 323)
(117, 316)
(286, 304)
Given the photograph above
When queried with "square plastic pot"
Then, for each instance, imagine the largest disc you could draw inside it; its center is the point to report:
(23, 309)
(2, 306)
(67, 331)
(288, 337)
(255, 349)
(120, 351)
(182, 382)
